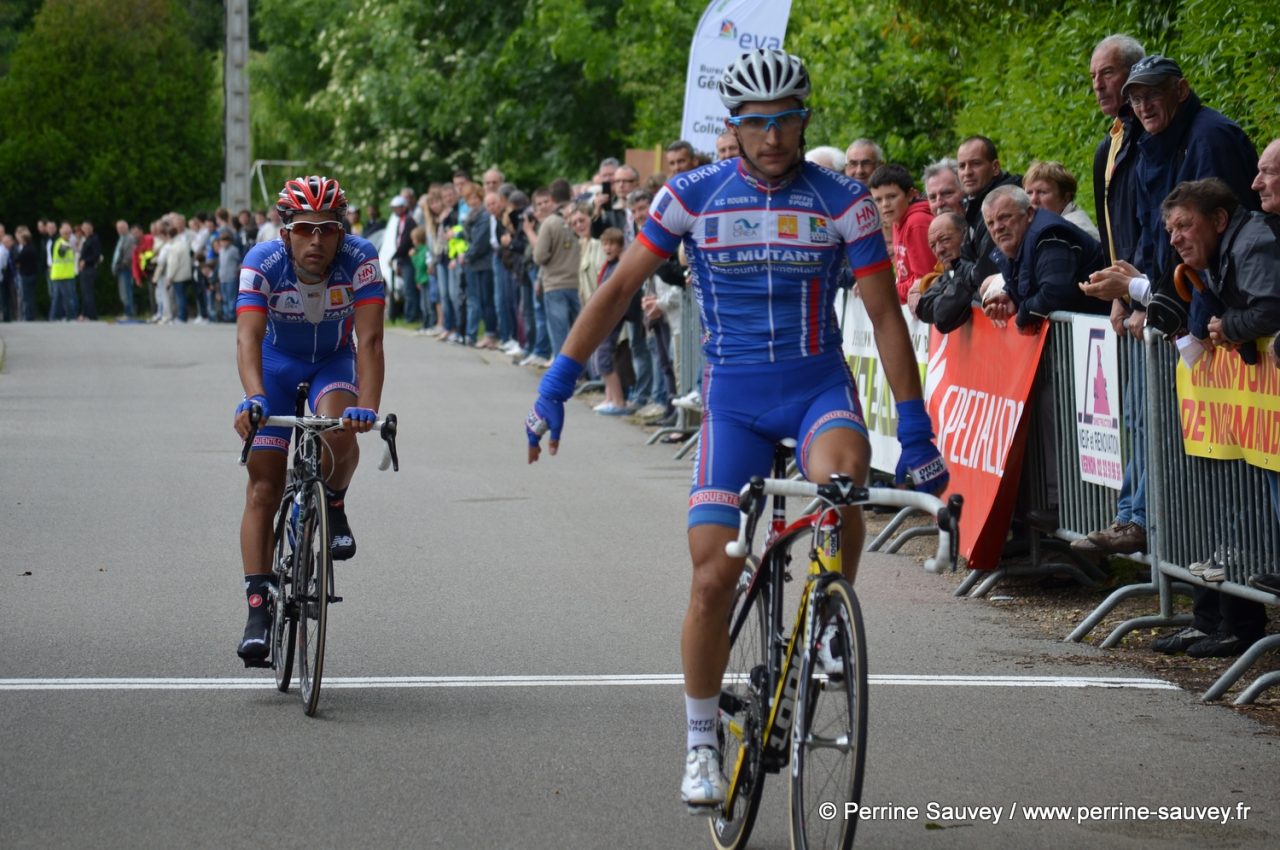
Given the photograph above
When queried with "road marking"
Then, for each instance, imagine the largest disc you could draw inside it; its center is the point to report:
(241, 683)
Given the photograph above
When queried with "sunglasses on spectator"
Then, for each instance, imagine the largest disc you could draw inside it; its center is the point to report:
(312, 229)
(786, 122)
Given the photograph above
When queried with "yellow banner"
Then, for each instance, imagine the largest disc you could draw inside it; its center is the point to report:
(1230, 410)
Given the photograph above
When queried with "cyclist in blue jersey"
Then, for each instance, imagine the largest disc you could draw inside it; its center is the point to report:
(309, 309)
(764, 234)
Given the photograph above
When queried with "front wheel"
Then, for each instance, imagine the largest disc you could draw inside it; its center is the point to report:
(829, 742)
(312, 570)
(744, 698)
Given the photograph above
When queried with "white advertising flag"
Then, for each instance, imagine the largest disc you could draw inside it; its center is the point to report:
(728, 29)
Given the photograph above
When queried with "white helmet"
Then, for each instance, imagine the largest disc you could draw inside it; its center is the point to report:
(764, 75)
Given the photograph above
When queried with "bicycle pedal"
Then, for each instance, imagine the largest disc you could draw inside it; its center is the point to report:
(333, 599)
(256, 662)
(706, 810)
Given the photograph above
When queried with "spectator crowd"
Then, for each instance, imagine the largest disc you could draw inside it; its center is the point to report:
(1182, 238)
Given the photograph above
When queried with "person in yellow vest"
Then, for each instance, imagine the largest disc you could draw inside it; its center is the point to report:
(62, 275)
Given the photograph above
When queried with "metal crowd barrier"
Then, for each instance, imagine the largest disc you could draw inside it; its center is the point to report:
(1196, 507)
(688, 374)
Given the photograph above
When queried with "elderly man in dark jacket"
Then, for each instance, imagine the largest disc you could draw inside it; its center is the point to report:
(1183, 140)
(1042, 257)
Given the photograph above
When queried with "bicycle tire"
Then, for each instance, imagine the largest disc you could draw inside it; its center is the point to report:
(829, 740)
(284, 623)
(748, 686)
(313, 568)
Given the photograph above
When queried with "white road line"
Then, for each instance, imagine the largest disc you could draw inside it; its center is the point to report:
(241, 683)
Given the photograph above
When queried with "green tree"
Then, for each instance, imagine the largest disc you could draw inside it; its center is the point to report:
(108, 111)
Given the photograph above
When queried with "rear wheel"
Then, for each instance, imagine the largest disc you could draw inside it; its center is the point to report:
(312, 573)
(744, 699)
(284, 623)
(829, 742)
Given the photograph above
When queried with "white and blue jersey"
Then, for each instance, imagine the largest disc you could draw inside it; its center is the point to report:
(309, 326)
(309, 321)
(764, 261)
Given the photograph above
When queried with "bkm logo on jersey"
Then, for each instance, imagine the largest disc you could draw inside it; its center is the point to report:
(788, 227)
(745, 229)
(711, 231)
(818, 229)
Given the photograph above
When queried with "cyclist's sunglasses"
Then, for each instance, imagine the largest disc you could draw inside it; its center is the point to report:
(312, 229)
(789, 121)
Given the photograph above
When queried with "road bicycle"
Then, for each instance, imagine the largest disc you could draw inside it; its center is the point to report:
(799, 697)
(301, 560)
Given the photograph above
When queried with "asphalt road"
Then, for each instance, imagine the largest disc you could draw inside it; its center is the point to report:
(466, 703)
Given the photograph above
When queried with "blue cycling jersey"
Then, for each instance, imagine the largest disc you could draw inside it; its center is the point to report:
(309, 321)
(765, 259)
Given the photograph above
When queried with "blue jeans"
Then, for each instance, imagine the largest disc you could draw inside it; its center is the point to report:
(504, 299)
(1132, 505)
(178, 292)
(480, 297)
(562, 307)
(27, 286)
(124, 287)
(88, 303)
(408, 289)
(63, 305)
(642, 364)
(431, 294)
(457, 299)
(230, 292)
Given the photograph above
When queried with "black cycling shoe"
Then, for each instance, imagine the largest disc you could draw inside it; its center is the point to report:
(342, 545)
(256, 643)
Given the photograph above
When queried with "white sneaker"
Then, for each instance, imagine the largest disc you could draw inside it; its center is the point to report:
(703, 787)
(528, 361)
(830, 663)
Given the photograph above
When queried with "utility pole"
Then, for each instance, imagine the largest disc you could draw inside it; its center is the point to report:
(235, 185)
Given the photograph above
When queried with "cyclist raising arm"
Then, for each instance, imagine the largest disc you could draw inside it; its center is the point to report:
(764, 233)
(309, 309)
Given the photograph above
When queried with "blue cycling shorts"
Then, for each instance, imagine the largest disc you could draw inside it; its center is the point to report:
(749, 408)
(281, 374)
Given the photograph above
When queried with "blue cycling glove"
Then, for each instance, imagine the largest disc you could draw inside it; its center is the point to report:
(920, 466)
(547, 413)
(259, 401)
(360, 414)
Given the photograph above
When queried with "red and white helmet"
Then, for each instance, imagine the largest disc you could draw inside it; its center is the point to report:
(311, 194)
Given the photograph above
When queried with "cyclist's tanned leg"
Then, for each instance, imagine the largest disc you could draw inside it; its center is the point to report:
(847, 452)
(344, 453)
(262, 497)
(704, 639)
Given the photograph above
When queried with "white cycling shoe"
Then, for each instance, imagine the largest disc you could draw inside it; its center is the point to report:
(703, 788)
(831, 663)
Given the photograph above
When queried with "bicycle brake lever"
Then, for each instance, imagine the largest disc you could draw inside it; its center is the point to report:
(389, 436)
(255, 418)
(954, 506)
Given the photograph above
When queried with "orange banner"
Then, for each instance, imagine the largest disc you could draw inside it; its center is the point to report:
(978, 382)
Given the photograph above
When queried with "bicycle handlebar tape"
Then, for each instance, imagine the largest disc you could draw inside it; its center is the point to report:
(920, 464)
(558, 383)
